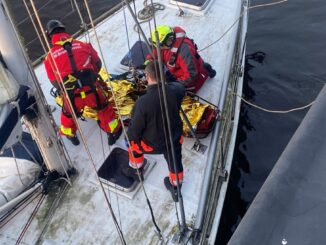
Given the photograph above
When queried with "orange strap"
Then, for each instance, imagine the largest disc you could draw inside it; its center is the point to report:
(173, 178)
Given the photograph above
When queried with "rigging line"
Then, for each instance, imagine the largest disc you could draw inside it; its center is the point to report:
(31, 74)
(120, 118)
(118, 109)
(19, 175)
(117, 197)
(164, 125)
(22, 204)
(28, 152)
(138, 173)
(51, 211)
(170, 134)
(43, 6)
(181, 205)
(101, 136)
(29, 221)
(78, 126)
(34, 25)
(181, 12)
(236, 21)
(139, 38)
(127, 34)
(183, 220)
(274, 111)
(82, 21)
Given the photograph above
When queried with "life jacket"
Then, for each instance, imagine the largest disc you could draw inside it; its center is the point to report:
(180, 35)
(180, 38)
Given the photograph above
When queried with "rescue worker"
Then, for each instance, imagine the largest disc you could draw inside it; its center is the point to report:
(146, 129)
(181, 58)
(76, 65)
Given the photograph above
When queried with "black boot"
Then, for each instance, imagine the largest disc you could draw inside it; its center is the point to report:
(133, 174)
(112, 138)
(73, 139)
(211, 71)
(171, 188)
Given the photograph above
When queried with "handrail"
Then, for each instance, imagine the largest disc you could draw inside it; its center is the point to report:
(217, 149)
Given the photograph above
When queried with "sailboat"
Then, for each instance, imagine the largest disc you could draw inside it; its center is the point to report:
(72, 202)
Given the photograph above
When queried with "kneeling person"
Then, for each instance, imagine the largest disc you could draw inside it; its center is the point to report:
(146, 129)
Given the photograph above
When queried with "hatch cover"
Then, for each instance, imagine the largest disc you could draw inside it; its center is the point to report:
(110, 173)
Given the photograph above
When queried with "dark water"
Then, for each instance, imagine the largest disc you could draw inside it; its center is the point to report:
(285, 68)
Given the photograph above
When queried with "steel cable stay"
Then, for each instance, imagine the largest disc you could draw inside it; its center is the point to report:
(157, 72)
(41, 99)
(120, 118)
(5, 219)
(161, 105)
(79, 128)
(34, 26)
(30, 219)
(139, 38)
(86, 31)
(31, 18)
(183, 228)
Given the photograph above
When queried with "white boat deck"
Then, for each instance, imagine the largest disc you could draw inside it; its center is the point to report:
(83, 217)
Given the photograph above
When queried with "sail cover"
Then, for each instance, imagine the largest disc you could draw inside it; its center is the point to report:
(19, 171)
(290, 207)
(10, 113)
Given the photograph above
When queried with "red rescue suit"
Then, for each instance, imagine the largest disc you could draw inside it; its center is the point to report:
(184, 62)
(77, 68)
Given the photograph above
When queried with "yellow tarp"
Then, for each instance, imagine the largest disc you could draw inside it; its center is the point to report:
(194, 111)
(122, 89)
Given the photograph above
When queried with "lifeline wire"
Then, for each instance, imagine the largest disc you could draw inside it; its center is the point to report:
(138, 173)
(34, 25)
(164, 126)
(159, 55)
(81, 132)
(41, 97)
(236, 21)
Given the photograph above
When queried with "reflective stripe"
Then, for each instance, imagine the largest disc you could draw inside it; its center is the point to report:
(180, 34)
(113, 124)
(173, 178)
(66, 131)
(146, 147)
(135, 160)
(174, 50)
(83, 95)
(69, 40)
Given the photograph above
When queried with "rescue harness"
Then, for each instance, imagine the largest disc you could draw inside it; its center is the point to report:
(79, 79)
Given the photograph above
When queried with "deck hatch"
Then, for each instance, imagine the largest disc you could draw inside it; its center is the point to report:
(110, 172)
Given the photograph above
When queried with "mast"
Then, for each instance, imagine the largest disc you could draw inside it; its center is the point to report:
(42, 128)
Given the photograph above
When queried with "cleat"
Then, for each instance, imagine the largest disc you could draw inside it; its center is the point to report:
(73, 139)
(172, 189)
(112, 138)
